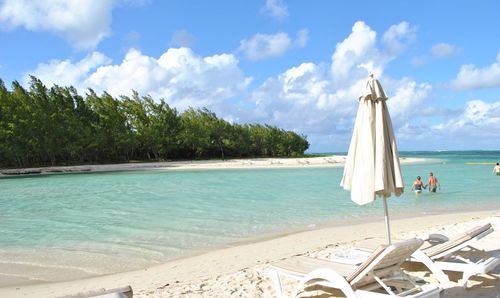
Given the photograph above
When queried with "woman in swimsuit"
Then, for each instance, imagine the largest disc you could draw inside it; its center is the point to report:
(418, 185)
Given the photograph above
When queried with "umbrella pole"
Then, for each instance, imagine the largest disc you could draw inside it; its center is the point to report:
(387, 221)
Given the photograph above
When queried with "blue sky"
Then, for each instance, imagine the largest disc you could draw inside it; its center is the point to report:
(296, 64)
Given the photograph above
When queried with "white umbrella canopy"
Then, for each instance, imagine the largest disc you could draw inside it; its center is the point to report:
(372, 165)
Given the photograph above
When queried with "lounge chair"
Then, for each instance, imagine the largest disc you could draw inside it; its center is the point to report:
(458, 255)
(443, 254)
(380, 275)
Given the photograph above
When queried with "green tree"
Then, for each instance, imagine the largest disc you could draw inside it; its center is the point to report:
(57, 126)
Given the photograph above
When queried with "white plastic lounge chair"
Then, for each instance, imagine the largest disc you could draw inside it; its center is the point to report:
(458, 255)
(443, 254)
(380, 275)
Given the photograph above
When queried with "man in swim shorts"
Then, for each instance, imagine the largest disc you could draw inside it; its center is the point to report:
(433, 183)
(418, 185)
(496, 169)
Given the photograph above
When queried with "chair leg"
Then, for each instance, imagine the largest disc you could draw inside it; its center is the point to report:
(465, 277)
(438, 273)
(277, 283)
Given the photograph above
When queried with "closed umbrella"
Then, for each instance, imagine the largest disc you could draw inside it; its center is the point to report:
(372, 165)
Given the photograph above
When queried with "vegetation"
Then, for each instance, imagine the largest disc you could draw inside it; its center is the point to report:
(57, 126)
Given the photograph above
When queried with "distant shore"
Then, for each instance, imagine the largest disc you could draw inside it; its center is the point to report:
(252, 163)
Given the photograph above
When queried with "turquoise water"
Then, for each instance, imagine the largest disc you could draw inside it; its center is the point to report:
(86, 224)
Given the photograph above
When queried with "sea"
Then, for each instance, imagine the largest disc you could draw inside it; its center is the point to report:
(69, 226)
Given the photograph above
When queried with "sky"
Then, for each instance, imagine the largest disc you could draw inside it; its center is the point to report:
(299, 65)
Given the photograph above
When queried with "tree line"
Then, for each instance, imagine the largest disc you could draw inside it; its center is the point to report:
(56, 126)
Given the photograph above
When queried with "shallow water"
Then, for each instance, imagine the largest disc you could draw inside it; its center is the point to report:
(75, 225)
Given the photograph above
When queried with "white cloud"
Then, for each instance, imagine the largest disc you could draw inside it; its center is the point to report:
(399, 36)
(442, 50)
(306, 98)
(277, 9)
(471, 77)
(66, 73)
(263, 46)
(300, 99)
(473, 127)
(408, 99)
(182, 38)
(179, 76)
(83, 23)
(320, 100)
(479, 118)
(354, 53)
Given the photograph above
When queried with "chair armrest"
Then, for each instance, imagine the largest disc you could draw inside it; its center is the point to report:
(437, 238)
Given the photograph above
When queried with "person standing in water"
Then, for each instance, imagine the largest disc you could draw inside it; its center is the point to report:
(433, 183)
(418, 185)
(496, 169)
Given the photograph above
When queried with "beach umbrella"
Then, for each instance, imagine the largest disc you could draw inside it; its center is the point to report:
(372, 166)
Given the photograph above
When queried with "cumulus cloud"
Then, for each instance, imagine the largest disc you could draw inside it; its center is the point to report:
(66, 73)
(358, 54)
(276, 9)
(320, 100)
(263, 46)
(442, 50)
(83, 23)
(407, 96)
(471, 127)
(476, 126)
(399, 36)
(300, 99)
(306, 98)
(478, 118)
(472, 77)
(179, 76)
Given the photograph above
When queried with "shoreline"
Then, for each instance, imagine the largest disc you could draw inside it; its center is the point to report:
(195, 270)
(252, 163)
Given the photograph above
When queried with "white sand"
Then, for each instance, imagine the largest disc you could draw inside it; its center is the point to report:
(326, 161)
(241, 271)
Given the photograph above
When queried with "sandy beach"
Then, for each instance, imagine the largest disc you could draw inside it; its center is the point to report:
(254, 163)
(241, 271)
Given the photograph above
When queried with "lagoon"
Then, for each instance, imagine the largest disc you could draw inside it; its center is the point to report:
(69, 226)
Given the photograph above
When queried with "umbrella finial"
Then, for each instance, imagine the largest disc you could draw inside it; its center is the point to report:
(370, 75)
